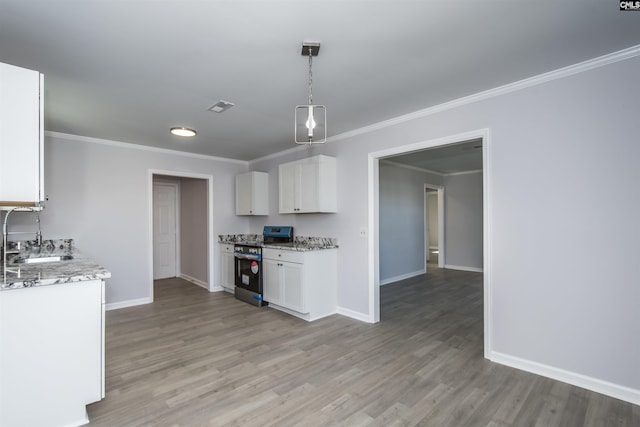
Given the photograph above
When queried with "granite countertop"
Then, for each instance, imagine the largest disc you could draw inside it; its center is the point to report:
(300, 243)
(78, 268)
(296, 246)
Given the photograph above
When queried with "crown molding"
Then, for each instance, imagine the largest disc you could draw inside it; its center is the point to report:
(419, 169)
(415, 168)
(131, 146)
(464, 172)
(570, 70)
(294, 149)
(500, 90)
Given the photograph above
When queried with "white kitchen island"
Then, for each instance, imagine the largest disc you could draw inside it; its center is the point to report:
(51, 342)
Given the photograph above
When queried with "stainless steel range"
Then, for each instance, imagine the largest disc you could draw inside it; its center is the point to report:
(248, 264)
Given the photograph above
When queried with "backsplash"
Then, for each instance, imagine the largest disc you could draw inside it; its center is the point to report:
(24, 248)
(31, 246)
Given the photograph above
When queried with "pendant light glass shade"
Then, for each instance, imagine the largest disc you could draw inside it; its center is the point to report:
(311, 124)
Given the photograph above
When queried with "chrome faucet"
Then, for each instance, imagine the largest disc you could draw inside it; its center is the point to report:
(6, 233)
(39, 233)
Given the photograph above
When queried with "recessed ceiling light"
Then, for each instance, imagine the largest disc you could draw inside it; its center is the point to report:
(181, 131)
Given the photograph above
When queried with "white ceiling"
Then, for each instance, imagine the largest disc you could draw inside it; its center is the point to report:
(129, 70)
(460, 157)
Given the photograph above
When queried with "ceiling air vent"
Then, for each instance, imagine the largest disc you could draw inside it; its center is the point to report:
(221, 106)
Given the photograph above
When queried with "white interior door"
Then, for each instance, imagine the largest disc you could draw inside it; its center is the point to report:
(164, 230)
(434, 222)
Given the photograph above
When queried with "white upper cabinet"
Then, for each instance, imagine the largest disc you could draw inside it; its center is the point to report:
(252, 193)
(308, 185)
(21, 136)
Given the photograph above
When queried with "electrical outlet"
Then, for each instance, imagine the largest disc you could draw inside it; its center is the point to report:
(363, 232)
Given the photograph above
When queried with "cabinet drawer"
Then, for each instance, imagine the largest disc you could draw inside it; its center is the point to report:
(226, 247)
(283, 255)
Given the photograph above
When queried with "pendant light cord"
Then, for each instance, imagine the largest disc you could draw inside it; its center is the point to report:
(310, 78)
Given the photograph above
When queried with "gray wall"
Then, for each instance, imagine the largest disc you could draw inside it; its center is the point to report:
(99, 195)
(463, 221)
(193, 229)
(555, 144)
(401, 220)
(401, 229)
(552, 148)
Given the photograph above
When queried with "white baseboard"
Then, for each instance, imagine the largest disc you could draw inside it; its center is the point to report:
(302, 316)
(194, 281)
(354, 315)
(128, 303)
(81, 422)
(599, 386)
(401, 277)
(463, 268)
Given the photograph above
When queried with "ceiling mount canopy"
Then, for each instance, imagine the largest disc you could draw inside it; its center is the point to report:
(310, 120)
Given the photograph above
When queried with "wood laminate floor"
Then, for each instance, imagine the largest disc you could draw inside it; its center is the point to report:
(194, 358)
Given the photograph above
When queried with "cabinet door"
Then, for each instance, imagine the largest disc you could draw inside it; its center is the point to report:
(308, 185)
(308, 182)
(55, 350)
(288, 180)
(227, 262)
(243, 194)
(252, 193)
(293, 292)
(20, 135)
(271, 281)
(230, 274)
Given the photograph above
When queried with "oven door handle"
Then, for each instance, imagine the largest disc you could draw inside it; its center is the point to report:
(246, 256)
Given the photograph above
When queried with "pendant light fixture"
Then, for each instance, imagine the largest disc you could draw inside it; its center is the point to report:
(310, 120)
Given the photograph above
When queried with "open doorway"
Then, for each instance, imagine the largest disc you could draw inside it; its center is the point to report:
(480, 138)
(181, 227)
(434, 225)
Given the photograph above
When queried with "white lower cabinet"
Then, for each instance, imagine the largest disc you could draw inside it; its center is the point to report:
(301, 283)
(283, 284)
(227, 267)
(51, 353)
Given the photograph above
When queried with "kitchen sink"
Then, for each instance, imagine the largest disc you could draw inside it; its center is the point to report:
(42, 259)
